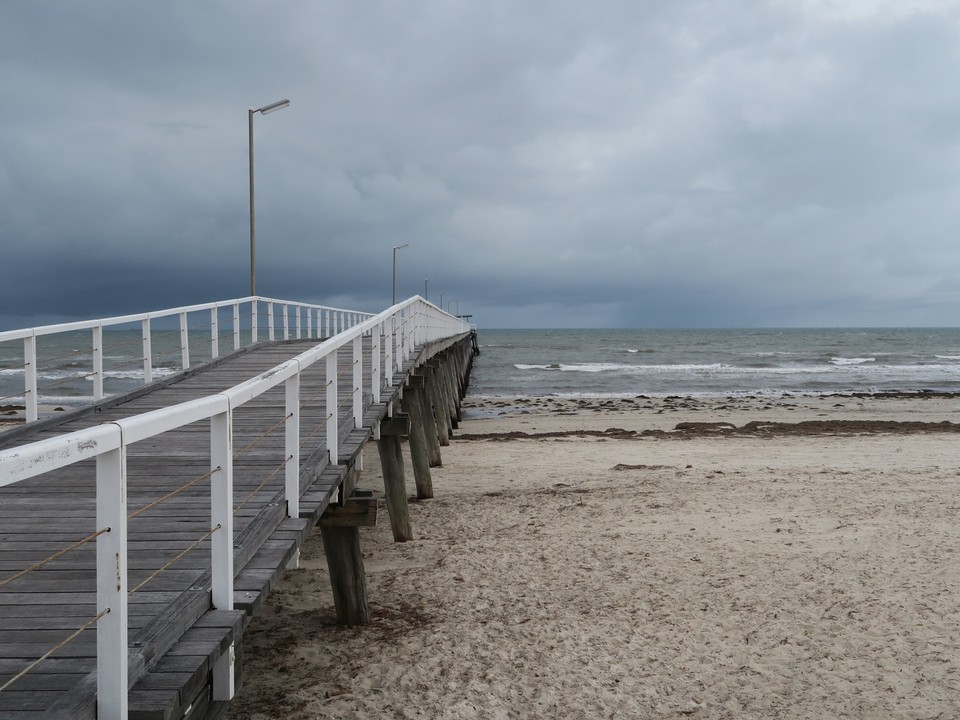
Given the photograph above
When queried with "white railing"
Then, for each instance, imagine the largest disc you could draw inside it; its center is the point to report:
(242, 326)
(394, 334)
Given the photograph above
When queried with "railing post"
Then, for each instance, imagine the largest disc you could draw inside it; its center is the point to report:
(375, 363)
(299, 312)
(327, 322)
(397, 345)
(408, 335)
(292, 440)
(147, 351)
(98, 362)
(358, 381)
(236, 326)
(388, 351)
(286, 324)
(270, 320)
(184, 342)
(30, 378)
(253, 321)
(214, 332)
(112, 585)
(332, 409)
(221, 541)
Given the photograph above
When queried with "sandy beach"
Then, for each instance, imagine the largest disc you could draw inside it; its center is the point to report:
(788, 557)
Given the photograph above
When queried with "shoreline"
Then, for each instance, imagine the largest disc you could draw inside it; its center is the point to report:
(602, 575)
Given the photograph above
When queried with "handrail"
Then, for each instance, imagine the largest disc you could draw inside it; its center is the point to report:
(397, 331)
(320, 318)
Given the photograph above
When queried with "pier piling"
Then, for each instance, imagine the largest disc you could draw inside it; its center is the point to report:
(394, 483)
(419, 453)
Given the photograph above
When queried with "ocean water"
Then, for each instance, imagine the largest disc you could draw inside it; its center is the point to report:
(65, 363)
(626, 363)
(620, 363)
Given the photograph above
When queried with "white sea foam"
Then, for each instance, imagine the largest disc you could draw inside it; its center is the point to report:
(846, 365)
(138, 374)
(851, 361)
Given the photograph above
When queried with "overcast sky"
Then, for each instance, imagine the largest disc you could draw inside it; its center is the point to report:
(691, 163)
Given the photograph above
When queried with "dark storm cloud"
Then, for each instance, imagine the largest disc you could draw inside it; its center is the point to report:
(617, 163)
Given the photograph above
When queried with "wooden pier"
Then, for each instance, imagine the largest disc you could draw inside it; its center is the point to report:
(181, 640)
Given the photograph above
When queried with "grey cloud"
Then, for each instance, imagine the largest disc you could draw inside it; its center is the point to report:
(619, 163)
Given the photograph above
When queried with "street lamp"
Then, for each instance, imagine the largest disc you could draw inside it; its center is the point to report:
(426, 285)
(395, 248)
(265, 110)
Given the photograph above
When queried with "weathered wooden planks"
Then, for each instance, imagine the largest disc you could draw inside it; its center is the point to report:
(172, 650)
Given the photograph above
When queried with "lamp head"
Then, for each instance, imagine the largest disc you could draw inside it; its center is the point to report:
(279, 105)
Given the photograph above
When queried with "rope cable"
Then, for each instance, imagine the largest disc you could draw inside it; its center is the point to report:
(170, 562)
(51, 651)
(169, 495)
(51, 558)
(259, 487)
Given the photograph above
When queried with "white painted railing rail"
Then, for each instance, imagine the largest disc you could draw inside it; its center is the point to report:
(398, 330)
(243, 319)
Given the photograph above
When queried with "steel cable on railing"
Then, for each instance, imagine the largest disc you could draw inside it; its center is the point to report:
(62, 644)
(263, 483)
(193, 546)
(19, 393)
(64, 381)
(36, 566)
(166, 334)
(323, 423)
(256, 441)
(125, 343)
(312, 397)
(317, 429)
(72, 353)
(49, 559)
(186, 486)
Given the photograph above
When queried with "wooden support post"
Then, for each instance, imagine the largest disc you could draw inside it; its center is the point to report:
(419, 455)
(456, 372)
(446, 374)
(443, 393)
(394, 485)
(439, 402)
(430, 432)
(341, 545)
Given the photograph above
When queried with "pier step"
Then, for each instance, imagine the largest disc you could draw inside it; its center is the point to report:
(178, 686)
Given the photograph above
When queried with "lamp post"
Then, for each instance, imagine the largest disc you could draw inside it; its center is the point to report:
(426, 285)
(395, 248)
(265, 110)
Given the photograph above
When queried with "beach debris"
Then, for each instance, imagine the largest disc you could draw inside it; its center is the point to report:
(708, 426)
(624, 466)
